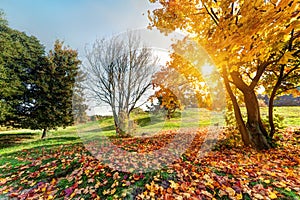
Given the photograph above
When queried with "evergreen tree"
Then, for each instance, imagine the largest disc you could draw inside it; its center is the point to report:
(19, 56)
(54, 90)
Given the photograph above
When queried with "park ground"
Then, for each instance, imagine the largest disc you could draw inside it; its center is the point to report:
(63, 167)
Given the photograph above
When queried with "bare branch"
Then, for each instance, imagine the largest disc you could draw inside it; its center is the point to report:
(210, 14)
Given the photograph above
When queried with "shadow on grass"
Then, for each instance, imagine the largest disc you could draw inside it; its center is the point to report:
(52, 140)
(108, 128)
(143, 121)
(36, 151)
(13, 139)
(30, 144)
(59, 139)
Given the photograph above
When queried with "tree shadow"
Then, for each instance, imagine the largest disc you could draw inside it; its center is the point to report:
(13, 139)
(143, 121)
(45, 147)
(108, 128)
(60, 139)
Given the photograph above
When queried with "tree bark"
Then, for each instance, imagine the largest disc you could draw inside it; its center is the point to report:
(254, 125)
(256, 132)
(120, 124)
(271, 102)
(271, 117)
(44, 133)
(237, 112)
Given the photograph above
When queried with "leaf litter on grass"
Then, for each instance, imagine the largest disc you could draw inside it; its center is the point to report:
(229, 172)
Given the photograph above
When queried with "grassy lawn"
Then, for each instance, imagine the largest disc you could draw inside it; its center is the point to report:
(291, 115)
(64, 166)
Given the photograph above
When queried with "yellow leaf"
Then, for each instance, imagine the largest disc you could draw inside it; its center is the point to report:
(97, 184)
(33, 183)
(152, 194)
(272, 195)
(267, 181)
(230, 191)
(239, 196)
(113, 191)
(288, 189)
(285, 58)
(53, 182)
(174, 185)
(2, 181)
(44, 189)
(105, 192)
(5, 191)
(72, 195)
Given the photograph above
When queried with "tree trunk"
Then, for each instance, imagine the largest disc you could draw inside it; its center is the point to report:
(120, 124)
(118, 129)
(271, 117)
(254, 125)
(237, 112)
(44, 133)
(271, 102)
(256, 131)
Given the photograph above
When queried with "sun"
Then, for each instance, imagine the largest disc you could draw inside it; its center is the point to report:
(207, 70)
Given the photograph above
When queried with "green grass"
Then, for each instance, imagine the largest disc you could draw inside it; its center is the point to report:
(16, 140)
(290, 114)
(148, 123)
(144, 123)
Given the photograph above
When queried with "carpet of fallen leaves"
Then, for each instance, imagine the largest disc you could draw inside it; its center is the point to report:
(230, 171)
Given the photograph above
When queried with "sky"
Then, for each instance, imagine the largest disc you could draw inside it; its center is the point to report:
(77, 22)
(80, 22)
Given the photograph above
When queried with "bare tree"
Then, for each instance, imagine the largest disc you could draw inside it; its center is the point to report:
(119, 72)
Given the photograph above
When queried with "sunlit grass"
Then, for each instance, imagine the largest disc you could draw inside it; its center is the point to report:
(290, 114)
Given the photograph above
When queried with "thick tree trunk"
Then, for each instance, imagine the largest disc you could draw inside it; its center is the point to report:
(122, 124)
(44, 133)
(118, 129)
(256, 132)
(254, 125)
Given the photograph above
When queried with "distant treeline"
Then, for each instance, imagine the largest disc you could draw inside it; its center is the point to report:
(285, 100)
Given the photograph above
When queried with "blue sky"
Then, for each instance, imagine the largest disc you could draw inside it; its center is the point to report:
(77, 22)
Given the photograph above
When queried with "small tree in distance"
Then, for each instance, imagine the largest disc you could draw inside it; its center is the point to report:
(79, 106)
(119, 72)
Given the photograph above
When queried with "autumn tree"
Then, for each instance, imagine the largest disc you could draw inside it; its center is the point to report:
(175, 91)
(166, 101)
(119, 72)
(240, 36)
